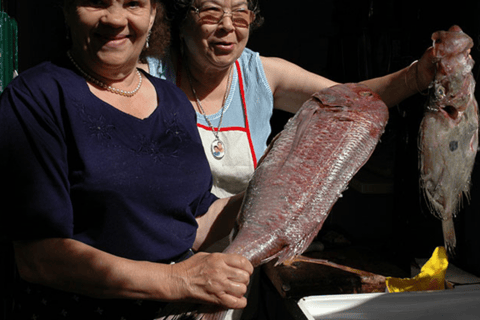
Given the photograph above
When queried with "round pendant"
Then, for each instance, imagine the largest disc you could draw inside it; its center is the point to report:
(218, 149)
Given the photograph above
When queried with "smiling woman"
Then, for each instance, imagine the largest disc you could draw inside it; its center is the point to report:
(107, 40)
(106, 180)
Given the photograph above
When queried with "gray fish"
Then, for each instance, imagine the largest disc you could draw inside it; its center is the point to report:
(448, 137)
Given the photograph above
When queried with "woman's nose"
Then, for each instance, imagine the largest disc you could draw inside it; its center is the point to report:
(114, 16)
(226, 22)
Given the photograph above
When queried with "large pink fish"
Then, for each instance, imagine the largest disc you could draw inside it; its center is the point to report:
(304, 172)
(448, 138)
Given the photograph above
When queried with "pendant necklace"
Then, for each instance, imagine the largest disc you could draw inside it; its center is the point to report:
(217, 147)
(104, 85)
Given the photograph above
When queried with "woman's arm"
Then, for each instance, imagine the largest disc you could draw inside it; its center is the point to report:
(397, 86)
(292, 86)
(218, 221)
(72, 266)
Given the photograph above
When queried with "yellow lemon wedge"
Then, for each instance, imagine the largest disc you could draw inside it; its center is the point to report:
(431, 276)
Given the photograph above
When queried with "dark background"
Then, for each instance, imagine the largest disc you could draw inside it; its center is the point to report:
(346, 41)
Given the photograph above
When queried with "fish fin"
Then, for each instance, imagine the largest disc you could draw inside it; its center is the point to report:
(289, 252)
(331, 264)
(269, 147)
(304, 119)
(286, 254)
(449, 235)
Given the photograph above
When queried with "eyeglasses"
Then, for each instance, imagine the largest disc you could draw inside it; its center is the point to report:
(211, 14)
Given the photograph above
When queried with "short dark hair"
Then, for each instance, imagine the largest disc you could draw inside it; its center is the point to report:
(177, 11)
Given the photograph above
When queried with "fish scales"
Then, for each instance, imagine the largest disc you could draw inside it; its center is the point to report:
(305, 171)
(448, 136)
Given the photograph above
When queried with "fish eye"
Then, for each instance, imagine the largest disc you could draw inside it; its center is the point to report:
(440, 92)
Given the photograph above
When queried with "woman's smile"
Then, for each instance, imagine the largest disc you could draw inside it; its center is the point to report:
(223, 47)
(114, 41)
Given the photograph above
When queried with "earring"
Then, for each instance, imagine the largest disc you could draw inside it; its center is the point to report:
(147, 43)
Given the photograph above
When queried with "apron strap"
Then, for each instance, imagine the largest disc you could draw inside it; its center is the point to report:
(244, 103)
(247, 126)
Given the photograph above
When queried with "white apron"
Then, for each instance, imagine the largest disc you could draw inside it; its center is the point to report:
(232, 173)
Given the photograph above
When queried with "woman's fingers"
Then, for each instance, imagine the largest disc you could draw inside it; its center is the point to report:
(216, 278)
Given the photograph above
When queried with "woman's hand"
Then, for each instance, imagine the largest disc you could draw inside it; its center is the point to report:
(426, 68)
(424, 72)
(213, 278)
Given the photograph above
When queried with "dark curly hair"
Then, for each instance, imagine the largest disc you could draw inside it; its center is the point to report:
(159, 38)
(177, 11)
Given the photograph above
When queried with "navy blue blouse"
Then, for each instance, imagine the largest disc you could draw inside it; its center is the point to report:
(74, 166)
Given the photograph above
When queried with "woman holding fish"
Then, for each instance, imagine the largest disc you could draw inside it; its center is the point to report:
(104, 184)
(234, 90)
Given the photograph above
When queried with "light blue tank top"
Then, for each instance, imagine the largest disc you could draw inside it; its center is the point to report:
(258, 98)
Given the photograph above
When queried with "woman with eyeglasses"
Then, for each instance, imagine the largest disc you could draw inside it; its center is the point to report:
(104, 182)
(234, 90)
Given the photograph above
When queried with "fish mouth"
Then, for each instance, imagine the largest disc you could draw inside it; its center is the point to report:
(450, 112)
(436, 204)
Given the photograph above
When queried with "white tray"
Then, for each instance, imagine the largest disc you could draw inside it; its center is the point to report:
(461, 303)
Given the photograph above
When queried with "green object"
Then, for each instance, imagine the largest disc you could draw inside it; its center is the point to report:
(8, 50)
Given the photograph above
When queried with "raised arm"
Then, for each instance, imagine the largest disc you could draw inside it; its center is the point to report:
(291, 85)
(397, 86)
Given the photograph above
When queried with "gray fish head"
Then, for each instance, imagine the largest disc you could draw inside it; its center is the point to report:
(453, 85)
(450, 95)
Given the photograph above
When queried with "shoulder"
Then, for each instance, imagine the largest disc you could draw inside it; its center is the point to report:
(250, 59)
(41, 75)
(273, 63)
(43, 86)
(249, 54)
(251, 65)
(45, 81)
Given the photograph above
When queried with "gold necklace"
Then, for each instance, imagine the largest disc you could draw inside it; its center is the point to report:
(104, 85)
(217, 147)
